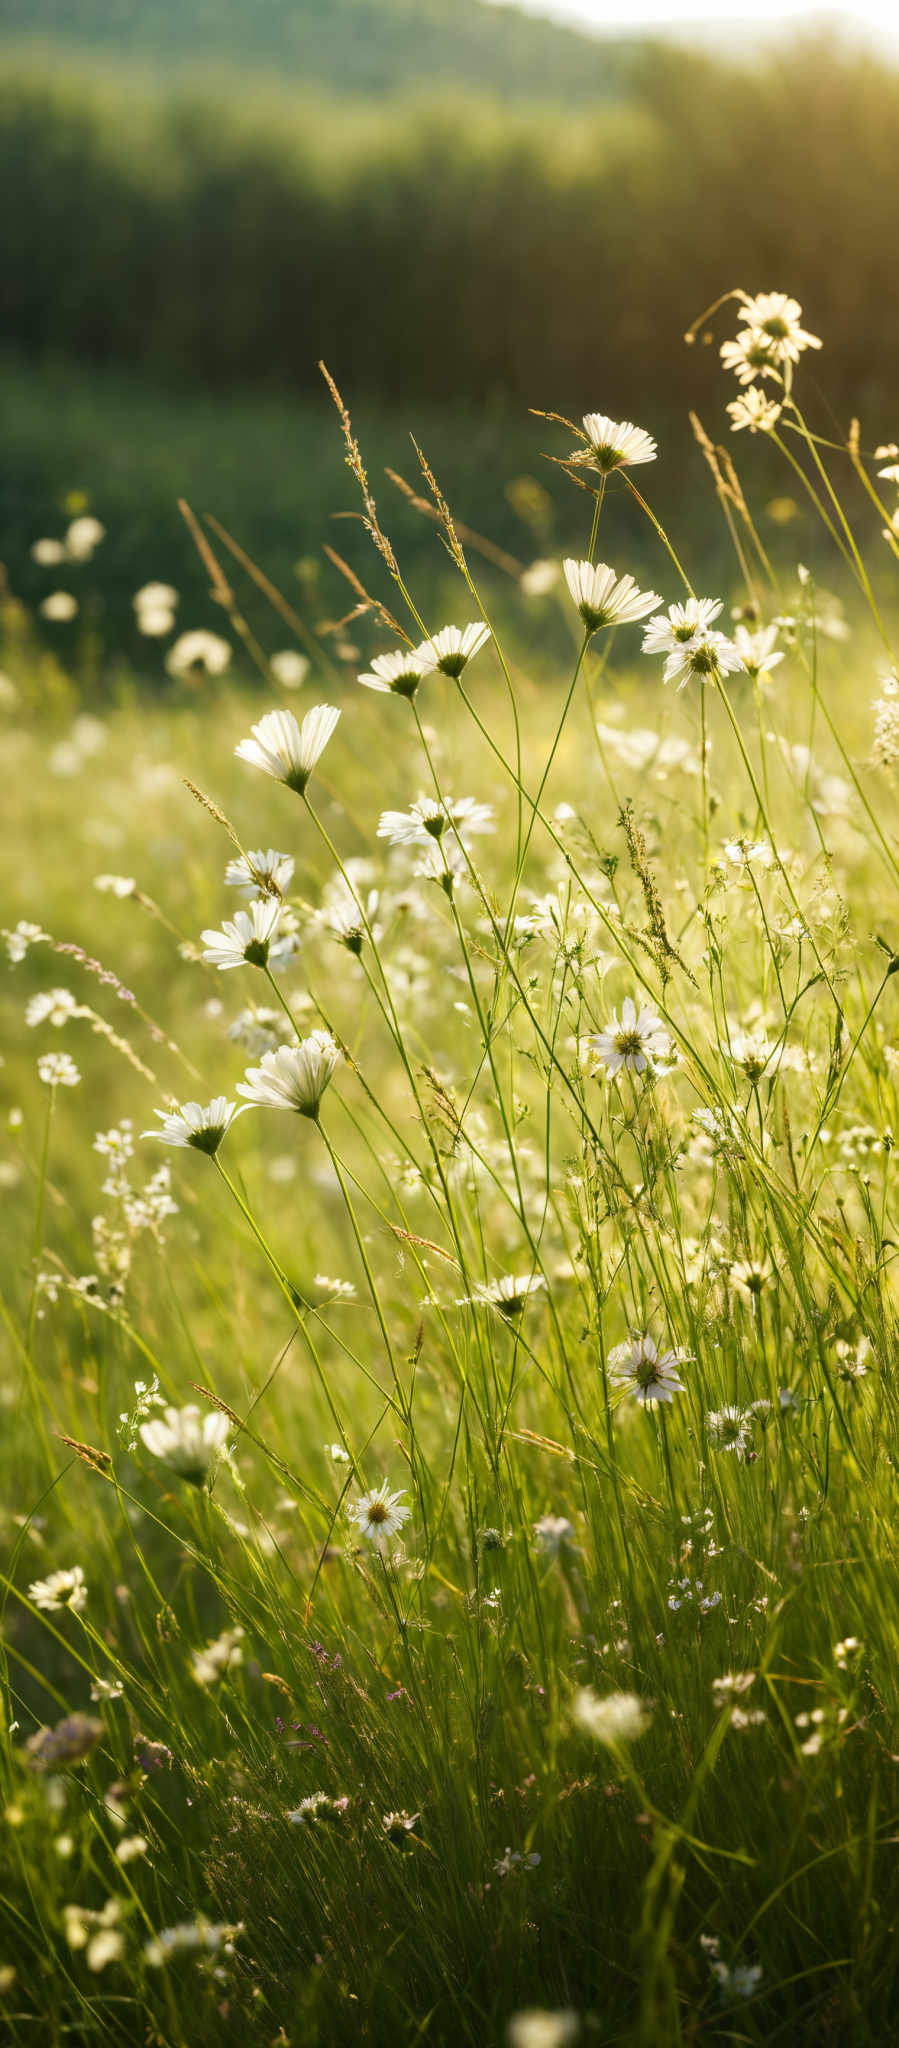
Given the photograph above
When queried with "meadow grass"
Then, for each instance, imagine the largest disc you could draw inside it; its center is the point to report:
(505, 1648)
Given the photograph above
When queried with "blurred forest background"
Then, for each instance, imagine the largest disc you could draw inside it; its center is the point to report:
(467, 211)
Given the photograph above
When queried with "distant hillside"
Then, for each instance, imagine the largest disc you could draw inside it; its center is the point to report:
(348, 46)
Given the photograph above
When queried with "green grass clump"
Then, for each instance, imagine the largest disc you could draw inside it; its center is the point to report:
(514, 1624)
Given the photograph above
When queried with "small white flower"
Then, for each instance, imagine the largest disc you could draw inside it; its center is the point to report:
(429, 819)
(261, 873)
(634, 1041)
(47, 553)
(188, 1440)
(130, 1847)
(754, 409)
(534, 2027)
(225, 1654)
(152, 595)
(757, 650)
(617, 1718)
(710, 657)
(680, 625)
(379, 1515)
(730, 1429)
(59, 607)
(203, 1128)
(247, 937)
(509, 1294)
(452, 649)
(286, 750)
(540, 578)
(553, 1533)
(54, 1006)
(644, 1371)
(397, 674)
(198, 652)
(289, 668)
(750, 356)
(83, 535)
(58, 1070)
(293, 1076)
(751, 1051)
(604, 599)
(115, 885)
(613, 444)
(777, 319)
(61, 1589)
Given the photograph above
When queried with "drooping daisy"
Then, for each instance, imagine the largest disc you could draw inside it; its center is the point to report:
(198, 653)
(680, 625)
(755, 410)
(61, 1589)
(397, 674)
(429, 819)
(187, 1440)
(247, 937)
(58, 1070)
(293, 1076)
(604, 599)
(379, 1515)
(619, 1717)
(203, 1128)
(261, 873)
(710, 656)
(634, 1041)
(287, 751)
(452, 649)
(779, 319)
(644, 1371)
(613, 444)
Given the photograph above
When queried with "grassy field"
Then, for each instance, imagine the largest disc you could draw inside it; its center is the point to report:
(506, 1653)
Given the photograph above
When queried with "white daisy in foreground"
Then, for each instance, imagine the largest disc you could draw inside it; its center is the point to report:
(289, 668)
(778, 319)
(429, 819)
(244, 938)
(288, 751)
(680, 625)
(58, 1070)
(509, 1295)
(646, 1372)
(203, 1128)
(59, 607)
(634, 1041)
(187, 1440)
(604, 599)
(379, 1515)
(54, 1006)
(452, 649)
(755, 410)
(397, 674)
(61, 1589)
(198, 653)
(261, 873)
(535, 2027)
(613, 444)
(617, 1718)
(293, 1076)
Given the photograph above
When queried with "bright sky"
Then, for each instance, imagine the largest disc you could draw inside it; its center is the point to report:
(868, 16)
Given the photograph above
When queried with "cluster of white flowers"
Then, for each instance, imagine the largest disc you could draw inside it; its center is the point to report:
(448, 653)
(224, 1654)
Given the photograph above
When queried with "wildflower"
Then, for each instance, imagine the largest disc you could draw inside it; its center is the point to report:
(776, 319)
(198, 653)
(731, 1686)
(603, 599)
(633, 1041)
(203, 1128)
(153, 594)
(59, 607)
(749, 1276)
(98, 1933)
(508, 1294)
(187, 1440)
(115, 885)
(738, 1980)
(886, 730)
(286, 750)
(187, 1936)
(429, 819)
(452, 649)
(750, 356)
(847, 1653)
(379, 1515)
(553, 1533)
(398, 1825)
(73, 1739)
(18, 941)
(47, 553)
(55, 1006)
(755, 410)
(730, 1429)
(680, 625)
(106, 1689)
(289, 668)
(245, 937)
(62, 1589)
(397, 674)
(757, 651)
(512, 1859)
(752, 1051)
(644, 1371)
(58, 1070)
(540, 578)
(225, 1654)
(262, 873)
(83, 535)
(617, 1718)
(293, 1076)
(317, 1806)
(710, 656)
(534, 2027)
(613, 444)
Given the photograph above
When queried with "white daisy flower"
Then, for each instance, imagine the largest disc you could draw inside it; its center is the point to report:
(891, 472)
(261, 873)
(777, 318)
(155, 595)
(59, 607)
(509, 1294)
(635, 1040)
(452, 649)
(730, 1429)
(379, 1515)
(286, 750)
(198, 652)
(54, 1006)
(710, 656)
(47, 553)
(613, 444)
(752, 1051)
(604, 599)
(553, 1533)
(187, 1440)
(83, 535)
(61, 1589)
(619, 1717)
(428, 819)
(757, 650)
(397, 674)
(750, 356)
(540, 578)
(289, 668)
(58, 1070)
(246, 937)
(192, 1124)
(755, 410)
(115, 885)
(680, 625)
(293, 1076)
(644, 1371)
